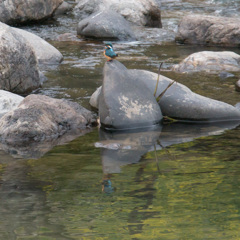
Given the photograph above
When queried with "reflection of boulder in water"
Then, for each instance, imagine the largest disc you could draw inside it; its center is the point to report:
(132, 145)
(38, 149)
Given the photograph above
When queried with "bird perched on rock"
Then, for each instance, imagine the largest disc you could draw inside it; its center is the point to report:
(109, 53)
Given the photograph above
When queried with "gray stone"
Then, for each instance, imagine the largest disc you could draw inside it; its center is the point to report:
(95, 98)
(106, 25)
(124, 102)
(40, 118)
(180, 102)
(63, 9)
(237, 86)
(45, 52)
(8, 101)
(18, 63)
(209, 61)
(141, 12)
(22, 11)
(209, 30)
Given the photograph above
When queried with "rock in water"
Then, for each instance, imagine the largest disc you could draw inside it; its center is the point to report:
(22, 11)
(18, 63)
(125, 102)
(40, 118)
(209, 30)
(105, 24)
(209, 61)
(8, 101)
(179, 101)
(45, 52)
(141, 12)
(237, 85)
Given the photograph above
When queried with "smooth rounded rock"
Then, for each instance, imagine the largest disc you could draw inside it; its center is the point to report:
(45, 52)
(8, 101)
(209, 30)
(181, 103)
(209, 61)
(19, 66)
(106, 25)
(23, 11)
(237, 86)
(125, 102)
(141, 12)
(40, 118)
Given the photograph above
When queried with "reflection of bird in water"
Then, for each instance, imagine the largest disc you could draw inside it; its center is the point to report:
(107, 186)
(109, 53)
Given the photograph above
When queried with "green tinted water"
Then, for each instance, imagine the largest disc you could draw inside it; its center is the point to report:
(187, 189)
(190, 192)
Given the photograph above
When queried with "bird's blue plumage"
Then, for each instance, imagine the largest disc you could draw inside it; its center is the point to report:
(109, 53)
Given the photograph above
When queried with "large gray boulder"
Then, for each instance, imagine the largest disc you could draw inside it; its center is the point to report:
(45, 52)
(8, 101)
(124, 102)
(181, 103)
(40, 118)
(209, 30)
(105, 24)
(209, 61)
(141, 12)
(22, 11)
(18, 63)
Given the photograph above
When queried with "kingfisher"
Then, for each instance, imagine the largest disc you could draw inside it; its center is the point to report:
(109, 53)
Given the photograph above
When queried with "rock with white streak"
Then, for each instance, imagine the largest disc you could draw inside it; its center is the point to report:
(180, 102)
(124, 102)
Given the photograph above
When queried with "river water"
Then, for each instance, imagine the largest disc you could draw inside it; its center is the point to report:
(177, 181)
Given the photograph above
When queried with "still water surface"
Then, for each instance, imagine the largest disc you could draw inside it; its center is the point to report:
(171, 182)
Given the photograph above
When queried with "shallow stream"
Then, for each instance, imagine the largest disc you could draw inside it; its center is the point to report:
(177, 181)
